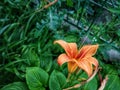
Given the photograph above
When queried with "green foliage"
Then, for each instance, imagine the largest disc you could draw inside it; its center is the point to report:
(115, 10)
(70, 3)
(113, 77)
(113, 82)
(91, 84)
(57, 80)
(31, 57)
(28, 57)
(15, 86)
(36, 78)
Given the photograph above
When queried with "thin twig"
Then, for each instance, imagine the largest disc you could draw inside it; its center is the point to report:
(46, 6)
(50, 4)
(103, 83)
(100, 76)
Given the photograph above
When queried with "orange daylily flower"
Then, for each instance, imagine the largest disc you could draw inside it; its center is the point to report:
(81, 59)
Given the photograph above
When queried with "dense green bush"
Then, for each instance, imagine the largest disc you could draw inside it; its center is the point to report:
(28, 57)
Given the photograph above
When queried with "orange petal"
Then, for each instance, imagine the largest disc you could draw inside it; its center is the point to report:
(70, 48)
(88, 50)
(64, 45)
(93, 61)
(63, 58)
(86, 66)
(73, 47)
(72, 66)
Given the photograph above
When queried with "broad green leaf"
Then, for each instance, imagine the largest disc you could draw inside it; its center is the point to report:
(89, 85)
(15, 86)
(113, 82)
(57, 80)
(109, 69)
(36, 78)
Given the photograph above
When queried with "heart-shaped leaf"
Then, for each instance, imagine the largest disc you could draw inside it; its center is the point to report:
(57, 80)
(36, 78)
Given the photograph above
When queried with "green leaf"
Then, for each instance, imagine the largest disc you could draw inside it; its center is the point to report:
(114, 10)
(109, 69)
(36, 78)
(70, 3)
(113, 78)
(113, 83)
(28, 24)
(4, 28)
(118, 32)
(15, 86)
(89, 85)
(57, 80)
(71, 38)
(46, 62)
(31, 56)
